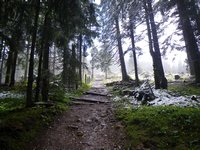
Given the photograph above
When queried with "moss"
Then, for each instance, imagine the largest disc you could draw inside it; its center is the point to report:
(185, 89)
(162, 127)
(20, 125)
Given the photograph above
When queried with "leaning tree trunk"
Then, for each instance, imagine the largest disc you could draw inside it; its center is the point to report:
(156, 74)
(157, 56)
(121, 54)
(133, 50)
(190, 41)
(29, 101)
(195, 12)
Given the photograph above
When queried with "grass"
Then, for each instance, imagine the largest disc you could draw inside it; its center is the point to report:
(162, 127)
(185, 89)
(20, 125)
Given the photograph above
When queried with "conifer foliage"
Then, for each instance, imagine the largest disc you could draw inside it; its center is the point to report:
(45, 30)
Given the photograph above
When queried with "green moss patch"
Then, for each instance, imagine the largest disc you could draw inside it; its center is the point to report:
(20, 125)
(162, 127)
(185, 89)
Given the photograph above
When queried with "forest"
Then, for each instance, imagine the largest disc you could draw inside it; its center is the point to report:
(58, 62)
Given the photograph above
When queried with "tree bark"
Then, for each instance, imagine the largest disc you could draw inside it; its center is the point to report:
(2, 62)
(156, 74)
(190, 41)
(80, 57)
(38, 82)
(45, 66)
(8, 65)
(160, 79)
(133, 50)
(54, 59)
(65, 65)
(121, 54)
(27, 59)
(1, 46)
(195, 14)
(29, 101)
(73, 66)
(13, 70)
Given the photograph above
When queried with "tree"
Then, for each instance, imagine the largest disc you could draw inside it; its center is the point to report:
(29, 101)
(190, 40)
(93, 61)
(159, 76)
(111, 10)
(131, 28)
(104, 58)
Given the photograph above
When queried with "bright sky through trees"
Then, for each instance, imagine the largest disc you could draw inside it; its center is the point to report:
(170, 62)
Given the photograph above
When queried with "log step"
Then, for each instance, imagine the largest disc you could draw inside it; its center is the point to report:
(94, 93)
(89, 100)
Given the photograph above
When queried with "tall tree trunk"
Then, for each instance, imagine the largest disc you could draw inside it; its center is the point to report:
(73, 66)
(65, 65)
(190, 64)
(27, 59)
(17, 40)
(45, 65)
(38, 82)
(157, 56)
(29, 101)
(92, 71)
(13, 70)
(2, 62)
(133, 50)
(80, 57)
(121, 54)
(54, 59)
(195, 13)
(156, 74)
(1, 46)
(106, 73)
(190, 41)
(8, 65)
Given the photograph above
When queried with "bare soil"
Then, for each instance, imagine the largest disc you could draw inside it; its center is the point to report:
(85, 126)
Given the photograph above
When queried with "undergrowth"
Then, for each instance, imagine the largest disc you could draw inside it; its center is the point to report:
(162, 127)
(20, 125)
(185, 89)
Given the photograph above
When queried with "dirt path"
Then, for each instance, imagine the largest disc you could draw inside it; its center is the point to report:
(86, 126)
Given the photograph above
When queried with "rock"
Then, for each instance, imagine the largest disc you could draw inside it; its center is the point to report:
(127, 92)
(144, 93)
(72, 127)
(79, 133)
(88, 121)
(194, 97)
(139, 95)
(118, 126)
(176, 77)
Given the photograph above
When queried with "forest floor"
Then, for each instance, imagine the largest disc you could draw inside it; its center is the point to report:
(87, 125)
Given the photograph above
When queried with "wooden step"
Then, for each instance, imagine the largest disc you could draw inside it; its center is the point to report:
(89, 100)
